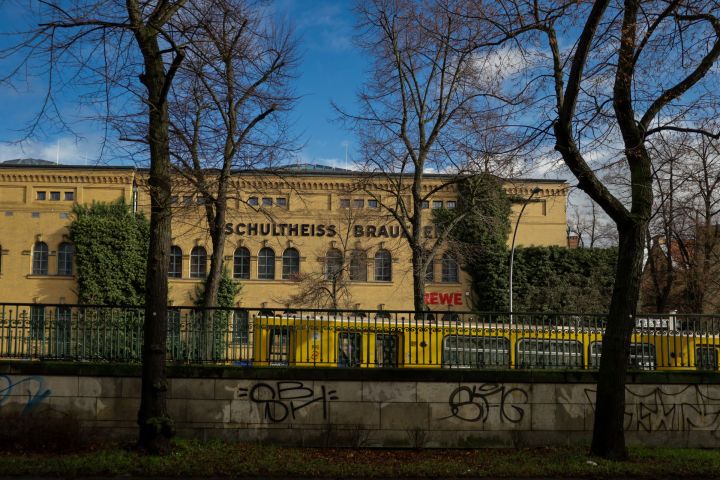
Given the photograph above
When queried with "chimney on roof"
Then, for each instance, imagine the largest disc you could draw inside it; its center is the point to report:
(573, 241)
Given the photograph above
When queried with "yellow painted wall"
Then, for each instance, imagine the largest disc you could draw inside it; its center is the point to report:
(312, 199)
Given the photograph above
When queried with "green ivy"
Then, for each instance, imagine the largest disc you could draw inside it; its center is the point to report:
(480, 238)
(111, 244)
(228, 289)
(545, 279)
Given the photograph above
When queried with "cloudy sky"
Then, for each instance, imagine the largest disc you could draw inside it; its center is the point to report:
(330, 70)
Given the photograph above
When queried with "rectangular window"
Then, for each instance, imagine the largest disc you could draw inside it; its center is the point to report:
(37, 322)
(267, 202)
(425, 204)
(279, 343)
(540, 353)
(69, 196)
(8, 213)
(174, 199)
(344, 203)
(349, 349)
(386, 351)
(358, 203)
(41, 195)
(281, 202)
(55, 196)
(475, 352)
(35, 214)
(64, 215)
(173, 324)
(706, 357)
(240, 327)
(437, 204)
(373, 203)
(253, 201)
(62, 328)
(641, 357)
(187, 200)
(450, 204)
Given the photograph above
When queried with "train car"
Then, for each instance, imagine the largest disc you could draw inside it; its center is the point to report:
(376, 342)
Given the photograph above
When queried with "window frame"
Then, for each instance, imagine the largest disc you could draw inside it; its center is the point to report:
(468, 355)
(198, 262)
(176, 260)
(266, 264)
(40, 259)
(529, 358)
(241, 263)
(383, 255)
(358, 263)
(65, 258)
(450, 269)
(290, 263)
(333, 264)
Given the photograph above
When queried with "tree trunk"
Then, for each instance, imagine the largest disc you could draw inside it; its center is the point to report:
(418, 260)
(156, 427)
(608, 432)
(216, 214)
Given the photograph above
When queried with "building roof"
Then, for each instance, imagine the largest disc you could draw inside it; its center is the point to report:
(29, 162)
(303, 169)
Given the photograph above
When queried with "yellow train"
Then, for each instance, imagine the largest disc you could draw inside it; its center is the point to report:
(381, 342)
(350, 339)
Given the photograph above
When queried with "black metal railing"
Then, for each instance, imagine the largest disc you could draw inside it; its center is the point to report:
(354, 338)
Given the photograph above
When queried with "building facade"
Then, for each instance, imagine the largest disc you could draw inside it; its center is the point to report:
(285, 235)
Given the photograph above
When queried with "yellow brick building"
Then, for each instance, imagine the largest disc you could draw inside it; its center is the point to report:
(280, 229)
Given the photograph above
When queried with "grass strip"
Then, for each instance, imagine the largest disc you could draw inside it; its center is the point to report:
(192, 458)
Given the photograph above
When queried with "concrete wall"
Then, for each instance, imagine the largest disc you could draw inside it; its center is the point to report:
(317, 408)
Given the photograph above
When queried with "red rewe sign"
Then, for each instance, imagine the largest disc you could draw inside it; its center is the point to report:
(437, 298)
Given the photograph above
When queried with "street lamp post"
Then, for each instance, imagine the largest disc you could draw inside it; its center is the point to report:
(533, 192)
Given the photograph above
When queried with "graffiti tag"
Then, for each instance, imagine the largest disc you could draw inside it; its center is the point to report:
(659, 410)
(474, 403)
(33, 387)
(285, 399)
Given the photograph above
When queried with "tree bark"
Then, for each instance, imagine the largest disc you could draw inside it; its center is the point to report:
(608, 431)
(155, 425)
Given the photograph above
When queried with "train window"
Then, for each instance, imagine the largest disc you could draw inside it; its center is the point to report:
(475, 352)
(278, 354)
(240, 327)
(349, 349)
(642, 356)
(541, 353)
(386, 350)
(706, 357)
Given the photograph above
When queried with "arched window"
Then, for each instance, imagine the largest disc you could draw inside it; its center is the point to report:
(430, 271)
(65, 259)
(333, 264)
(383, 266)
(266, 264)
(290, 263)
(241, 263)
(175, 269)
(198, 262)
(40, 259)
(358, 266)
(449, 269)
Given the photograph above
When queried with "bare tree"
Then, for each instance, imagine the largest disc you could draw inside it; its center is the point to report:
(683, 261)
(116, 44)
(429, 107)
(591, 225)
(227, 112)
(345, 262)
(614, 85)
